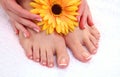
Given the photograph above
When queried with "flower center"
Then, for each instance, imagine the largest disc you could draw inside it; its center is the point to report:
(56, 9)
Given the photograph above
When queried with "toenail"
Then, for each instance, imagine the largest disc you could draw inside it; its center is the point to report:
(30, 57)
(63, 62)
(94, 51)
(97, 45)
(50, 65)
(89, 57)
(86, 55)
(37, 60)
(44, 63)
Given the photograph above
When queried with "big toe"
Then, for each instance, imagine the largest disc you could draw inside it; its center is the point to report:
(62, 56)
(80, 52)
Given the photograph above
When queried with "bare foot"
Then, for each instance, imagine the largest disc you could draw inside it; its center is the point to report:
(83, 43)
(41, 47)
(94, 31)
(80, 38)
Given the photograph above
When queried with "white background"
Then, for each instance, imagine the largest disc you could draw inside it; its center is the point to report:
(106, 63)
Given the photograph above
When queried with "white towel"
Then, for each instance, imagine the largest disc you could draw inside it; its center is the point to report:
(106, 63)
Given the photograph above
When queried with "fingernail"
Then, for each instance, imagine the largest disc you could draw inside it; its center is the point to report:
(25, 34)
(63, 62)
(37, 30)
(39, 19)
(86, 55)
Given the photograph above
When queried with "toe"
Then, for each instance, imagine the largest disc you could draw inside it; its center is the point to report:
(89, 45)
(94, 41)
(79, 52)
(36, 53)
(76, 47)
(28, 51)
(43, 56)
(95, 32)
(62, 56)
(50, 58)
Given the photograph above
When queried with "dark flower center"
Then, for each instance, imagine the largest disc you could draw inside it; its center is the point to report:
(56, 9)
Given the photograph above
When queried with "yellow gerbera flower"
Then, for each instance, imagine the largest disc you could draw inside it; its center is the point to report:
(57, 15)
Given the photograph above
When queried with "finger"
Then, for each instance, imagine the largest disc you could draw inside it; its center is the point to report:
(29, 24)
(83, 19)
(22, 29)
(80, 11)
(24, 22)
(17, 9)
(13, 26)
(89, 19)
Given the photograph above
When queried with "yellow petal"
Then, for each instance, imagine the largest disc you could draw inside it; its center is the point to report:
(71, 2)
(43, 2)
(37, 1)
(45, 7)
(58, 20)
(34, 5)
(46, 17)
(72, 8)
(35, 11)
(45, 26)
(58, 29)
(72, 17)
(40, 23)
(51, 29)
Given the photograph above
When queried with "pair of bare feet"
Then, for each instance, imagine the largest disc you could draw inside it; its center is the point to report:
(41, 47)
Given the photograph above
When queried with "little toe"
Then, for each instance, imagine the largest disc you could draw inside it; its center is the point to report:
(50, 58)
(43, 56)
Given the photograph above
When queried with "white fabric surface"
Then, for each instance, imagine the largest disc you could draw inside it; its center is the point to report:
(106, 63)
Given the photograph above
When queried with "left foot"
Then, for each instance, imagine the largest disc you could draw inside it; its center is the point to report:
(87, 37)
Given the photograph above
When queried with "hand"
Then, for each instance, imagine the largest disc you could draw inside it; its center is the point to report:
(19, 17)
(84, 15)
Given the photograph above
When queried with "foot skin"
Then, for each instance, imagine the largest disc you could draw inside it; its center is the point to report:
(83, 43)
(42, 48)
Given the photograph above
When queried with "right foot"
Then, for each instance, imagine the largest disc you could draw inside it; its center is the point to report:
(41, 47)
